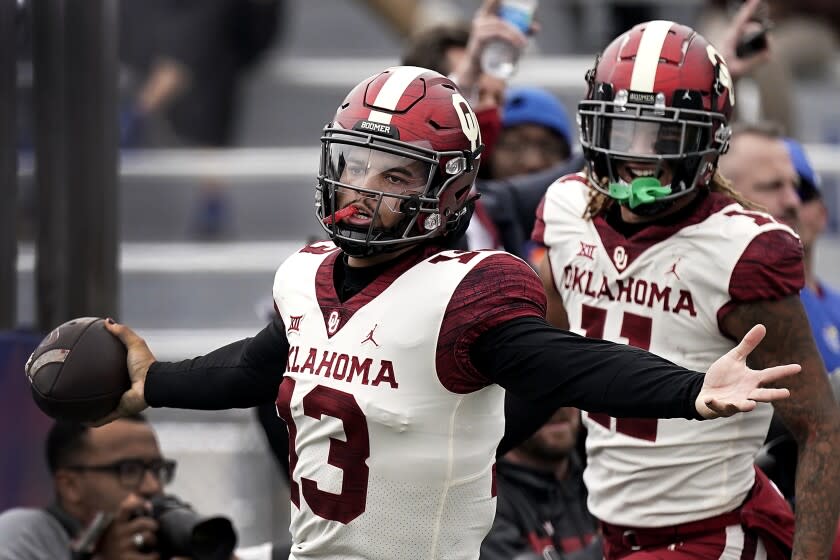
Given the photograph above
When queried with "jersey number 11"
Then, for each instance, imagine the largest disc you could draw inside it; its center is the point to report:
(636, 329)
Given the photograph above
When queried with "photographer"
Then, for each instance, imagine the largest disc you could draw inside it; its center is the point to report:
(106, 481)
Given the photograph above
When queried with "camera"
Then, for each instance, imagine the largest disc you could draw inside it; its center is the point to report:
(183, 532)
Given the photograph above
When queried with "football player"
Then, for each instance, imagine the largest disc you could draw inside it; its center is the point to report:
(390, 354)
(651, 247)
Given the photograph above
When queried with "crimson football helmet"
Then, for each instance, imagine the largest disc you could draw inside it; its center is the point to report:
(658, 105)
(397, 162)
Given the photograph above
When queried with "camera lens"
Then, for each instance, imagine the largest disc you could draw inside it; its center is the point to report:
(182, 532)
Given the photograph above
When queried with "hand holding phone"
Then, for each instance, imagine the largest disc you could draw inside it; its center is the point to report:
(752, 42)
(746, 44)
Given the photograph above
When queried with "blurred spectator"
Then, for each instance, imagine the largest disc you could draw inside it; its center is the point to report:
(113, 471)
(533, 150)
(760, 169)
(438, 48)
(536, 134)
(541, 508)
(186, 61)
(106, 480)
(803, 44)
(455, 50)
(822, 303)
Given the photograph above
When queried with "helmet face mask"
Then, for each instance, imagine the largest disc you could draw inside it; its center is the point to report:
(402, 181)
(655, 115)
(387, 184)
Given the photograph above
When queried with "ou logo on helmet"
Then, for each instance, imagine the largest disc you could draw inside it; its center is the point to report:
(469, 123)
(723, 75)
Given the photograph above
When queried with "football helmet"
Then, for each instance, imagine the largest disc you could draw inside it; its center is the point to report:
(655, 118)
(398, 162)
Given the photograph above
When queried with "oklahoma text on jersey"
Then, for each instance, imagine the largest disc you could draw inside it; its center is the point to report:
(630, 290)
(342, 367)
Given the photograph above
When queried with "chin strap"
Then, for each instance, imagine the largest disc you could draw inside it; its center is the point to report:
(643, 190)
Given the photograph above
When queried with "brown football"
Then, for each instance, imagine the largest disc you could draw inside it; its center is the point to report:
(79, 371)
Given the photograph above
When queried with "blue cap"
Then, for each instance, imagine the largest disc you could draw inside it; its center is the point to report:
(531, 105)
(809, 186)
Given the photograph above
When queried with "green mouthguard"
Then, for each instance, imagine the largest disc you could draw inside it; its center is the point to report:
(643, 190)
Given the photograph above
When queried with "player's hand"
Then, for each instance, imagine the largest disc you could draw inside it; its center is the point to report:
(139, 359)
(731, 386)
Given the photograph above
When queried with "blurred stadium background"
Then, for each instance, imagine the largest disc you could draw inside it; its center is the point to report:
(188, 295)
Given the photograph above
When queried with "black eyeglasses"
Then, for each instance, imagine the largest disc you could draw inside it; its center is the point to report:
(130, 472)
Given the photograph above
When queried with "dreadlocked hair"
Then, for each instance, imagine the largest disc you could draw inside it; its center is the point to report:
(723, 185)
(599, 203)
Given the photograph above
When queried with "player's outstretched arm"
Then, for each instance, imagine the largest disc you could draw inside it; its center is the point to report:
(242, 374)
(731, 386)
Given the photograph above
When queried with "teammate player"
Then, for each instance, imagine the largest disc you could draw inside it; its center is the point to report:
(393, 352)
(651, 247)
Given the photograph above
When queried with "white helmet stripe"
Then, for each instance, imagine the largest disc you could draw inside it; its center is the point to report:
(393, 90)
(647, 57)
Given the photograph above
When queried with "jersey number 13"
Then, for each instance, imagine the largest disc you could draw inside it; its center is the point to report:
(350, 456)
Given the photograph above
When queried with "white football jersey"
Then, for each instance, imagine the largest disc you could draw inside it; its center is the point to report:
(392, 447)
(665, 289)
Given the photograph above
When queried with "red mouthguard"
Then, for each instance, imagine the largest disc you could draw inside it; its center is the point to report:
(345, 212)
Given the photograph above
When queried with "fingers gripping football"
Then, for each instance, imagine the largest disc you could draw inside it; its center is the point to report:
(138, 359)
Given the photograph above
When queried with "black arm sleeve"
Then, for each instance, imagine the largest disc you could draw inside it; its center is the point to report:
(240, 375)
(544, 368)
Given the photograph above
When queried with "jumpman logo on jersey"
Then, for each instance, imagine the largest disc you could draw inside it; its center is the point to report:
(673, 269)
(369, 337)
